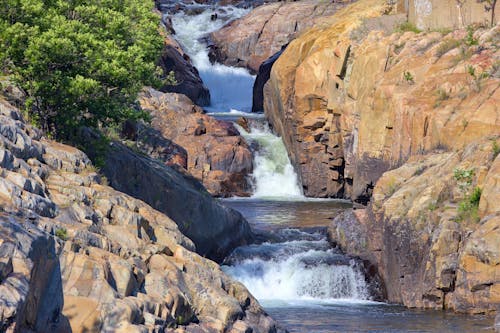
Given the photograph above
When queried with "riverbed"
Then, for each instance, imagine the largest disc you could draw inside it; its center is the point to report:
(299, 278)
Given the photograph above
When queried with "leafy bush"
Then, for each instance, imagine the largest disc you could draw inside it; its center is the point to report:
(62, 233)
(80, 62)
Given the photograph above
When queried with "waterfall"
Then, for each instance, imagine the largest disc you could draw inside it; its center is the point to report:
(230, 88)
(231, 94)
(299, 269)
(273, 174)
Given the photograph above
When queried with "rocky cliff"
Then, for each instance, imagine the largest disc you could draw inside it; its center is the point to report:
(435, 244)
(352, 102)
(249, 41)
(77, 255)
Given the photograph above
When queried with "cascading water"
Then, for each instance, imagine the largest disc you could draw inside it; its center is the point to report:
(230, 88)
(304, 268)
(303, 282)
(274, 176)
(231, 93)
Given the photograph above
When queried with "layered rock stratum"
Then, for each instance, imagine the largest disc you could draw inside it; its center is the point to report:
(77, 255)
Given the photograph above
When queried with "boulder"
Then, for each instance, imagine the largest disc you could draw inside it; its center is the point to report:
(214, 229)
(187, 79)
(216, 154)
(250, 40)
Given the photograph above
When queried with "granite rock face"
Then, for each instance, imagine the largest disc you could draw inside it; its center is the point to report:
(216, 154)
(353, 99)
(248, 41)
(431, 252)
(77, 254)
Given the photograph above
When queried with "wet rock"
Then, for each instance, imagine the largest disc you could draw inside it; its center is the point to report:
(187, 78)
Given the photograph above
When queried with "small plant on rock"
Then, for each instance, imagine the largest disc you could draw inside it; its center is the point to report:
(469, 205)
(496, 149)
(469, 38)
(408, 26)
(408, 77)
(62, 233)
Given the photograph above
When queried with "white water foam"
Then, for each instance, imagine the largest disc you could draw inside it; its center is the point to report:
(292, 279)
(230, 88)
(273, 174)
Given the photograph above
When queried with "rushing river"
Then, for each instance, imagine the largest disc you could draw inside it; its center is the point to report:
(301, 281)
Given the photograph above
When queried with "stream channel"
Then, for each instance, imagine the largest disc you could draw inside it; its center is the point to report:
(297, 276)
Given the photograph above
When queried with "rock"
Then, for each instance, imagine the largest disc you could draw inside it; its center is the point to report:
(188, 81)
(216, 154)
(214, 229)
(250, 40)
(339, 98)
(429, 253)
(106, 261)
(31, 288)
(433, 14)
(262, 77)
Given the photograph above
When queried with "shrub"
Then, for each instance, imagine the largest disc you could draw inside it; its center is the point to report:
(496, 149)
(407, 26)
(62, 233)
(408, 77)
(81, 62)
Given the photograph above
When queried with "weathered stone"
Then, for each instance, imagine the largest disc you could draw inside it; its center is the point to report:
(188, 81)
(339, 98)
(248, 41)
(214, 229)
(207, 141)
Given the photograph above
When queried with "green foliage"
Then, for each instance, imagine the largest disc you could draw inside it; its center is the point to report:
(80, 62)
(407, 26)
(469, 38)
(464, 178)
(62, 233)
(468, 207)
(496, 149)
(408, 77)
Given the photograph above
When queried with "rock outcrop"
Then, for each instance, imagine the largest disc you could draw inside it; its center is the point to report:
(351, 100)
(439, 14)
(248, 41)
(432, 246)
(216, 154)
(76, 252)
(187, 79)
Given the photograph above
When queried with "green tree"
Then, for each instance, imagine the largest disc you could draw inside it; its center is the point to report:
(80, 62)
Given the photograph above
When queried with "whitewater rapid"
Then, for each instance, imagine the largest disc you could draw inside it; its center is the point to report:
(231, 95)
